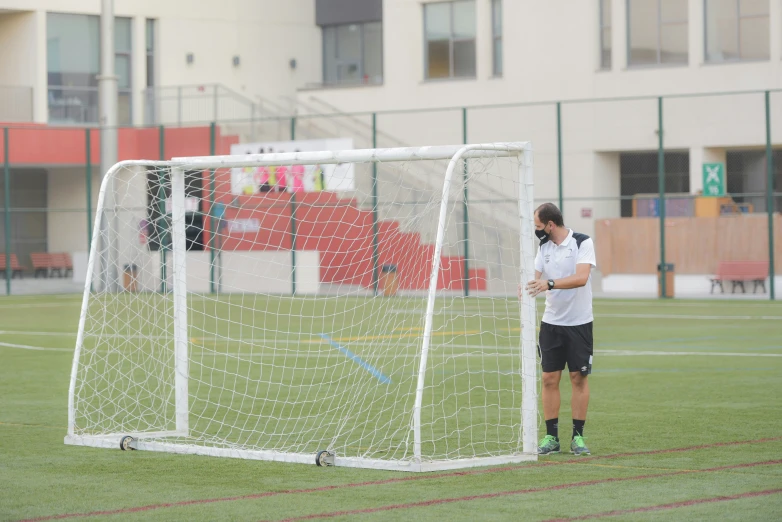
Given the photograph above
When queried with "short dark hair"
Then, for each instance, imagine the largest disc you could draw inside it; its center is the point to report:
(549, 212)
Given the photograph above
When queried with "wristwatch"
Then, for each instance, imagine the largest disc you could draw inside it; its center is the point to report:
(550, 284)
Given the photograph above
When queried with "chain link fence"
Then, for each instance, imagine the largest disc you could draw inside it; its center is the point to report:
(682, 194)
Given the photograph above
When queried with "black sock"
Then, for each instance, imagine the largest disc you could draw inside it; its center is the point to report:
(578, 427)
(552, 428)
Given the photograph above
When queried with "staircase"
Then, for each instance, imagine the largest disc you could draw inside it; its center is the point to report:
(347, 244)
(342, 232)
(419, 182)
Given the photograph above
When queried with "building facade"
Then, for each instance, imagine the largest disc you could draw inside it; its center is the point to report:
(587, 81)
(50, 55)
(530, 54)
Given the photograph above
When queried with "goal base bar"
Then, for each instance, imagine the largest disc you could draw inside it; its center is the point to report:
(113, 441)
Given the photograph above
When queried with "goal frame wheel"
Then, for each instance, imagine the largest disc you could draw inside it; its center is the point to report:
(124, 443)
(324, 458)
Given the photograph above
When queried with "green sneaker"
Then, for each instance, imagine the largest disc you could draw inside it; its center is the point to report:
(548, 445)
(577, 447)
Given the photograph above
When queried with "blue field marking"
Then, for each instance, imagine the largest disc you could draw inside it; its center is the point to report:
(358, 360)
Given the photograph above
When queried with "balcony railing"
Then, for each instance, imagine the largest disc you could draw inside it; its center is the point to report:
(178, 104)
(16, 103)
(79, 106)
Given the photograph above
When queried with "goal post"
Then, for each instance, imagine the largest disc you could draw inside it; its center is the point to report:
(333, 321)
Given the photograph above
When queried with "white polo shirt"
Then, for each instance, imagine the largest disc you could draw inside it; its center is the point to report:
(570, 307)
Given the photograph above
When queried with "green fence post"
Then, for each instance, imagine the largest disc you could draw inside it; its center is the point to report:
(466, 215)
(7, 211)
(161, 194)
(212, 242)
(770, 198)
(661, 184)
(293, 243)
(293, 220)
(375, 246)
(559, 153)
(88, 152)
(161, 143)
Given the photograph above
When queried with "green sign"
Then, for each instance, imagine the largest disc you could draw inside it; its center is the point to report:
(714, 179)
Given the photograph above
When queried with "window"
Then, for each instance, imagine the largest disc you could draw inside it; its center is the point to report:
(150, 103)
(737, 30)
(353, 54)
(657, 32)
(73, 65)
(150, 37)
(638, 174)
(605, 34)
(496, 21)
(123, 67)
(449, 29)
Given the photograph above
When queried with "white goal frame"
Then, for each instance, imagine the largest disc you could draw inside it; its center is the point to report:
(529, 367)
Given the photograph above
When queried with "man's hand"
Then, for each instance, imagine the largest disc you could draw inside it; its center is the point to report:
(537, 286)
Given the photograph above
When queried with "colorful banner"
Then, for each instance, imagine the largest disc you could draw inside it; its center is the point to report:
(292, 178)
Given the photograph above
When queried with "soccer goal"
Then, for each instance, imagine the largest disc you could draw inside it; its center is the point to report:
(355, 308)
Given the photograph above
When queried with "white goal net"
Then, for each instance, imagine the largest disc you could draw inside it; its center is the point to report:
(353, 308)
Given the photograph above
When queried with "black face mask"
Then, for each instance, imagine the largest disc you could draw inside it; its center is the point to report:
(542, 235)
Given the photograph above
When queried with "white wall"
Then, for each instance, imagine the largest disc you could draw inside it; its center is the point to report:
(17, 39)
(19, 43)
(266, 35)
(550, 54)
(67, 203)
(262, 272)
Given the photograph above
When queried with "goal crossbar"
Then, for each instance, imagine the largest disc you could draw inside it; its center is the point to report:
(445, 152)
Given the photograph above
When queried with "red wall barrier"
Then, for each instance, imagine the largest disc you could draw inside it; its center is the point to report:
(45, 145)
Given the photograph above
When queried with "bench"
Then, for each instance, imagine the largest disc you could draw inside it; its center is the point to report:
(737, 272)
(62, 261)
(16, 268)
(49, 264)
(42, 262)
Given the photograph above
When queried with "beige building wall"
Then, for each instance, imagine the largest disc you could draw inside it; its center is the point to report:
(265, 34)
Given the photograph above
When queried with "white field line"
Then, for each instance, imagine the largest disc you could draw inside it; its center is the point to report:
(710, 354)
(488, 314)
(693, 317)
(88, 335)
(38, 305)
(36, 348)
(483, 355)
(435, 352)
(31, 333)
(688, 304)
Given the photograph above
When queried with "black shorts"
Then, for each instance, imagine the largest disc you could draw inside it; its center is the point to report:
(566, 344)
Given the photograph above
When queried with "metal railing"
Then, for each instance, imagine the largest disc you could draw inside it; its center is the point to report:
(181, 104)
(79, 105)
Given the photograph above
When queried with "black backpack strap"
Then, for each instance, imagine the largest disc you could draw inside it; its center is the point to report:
(580, 238)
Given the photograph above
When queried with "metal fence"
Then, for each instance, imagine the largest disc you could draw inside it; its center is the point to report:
(678, 191)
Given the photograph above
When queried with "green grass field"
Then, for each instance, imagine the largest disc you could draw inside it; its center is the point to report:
(684, 419)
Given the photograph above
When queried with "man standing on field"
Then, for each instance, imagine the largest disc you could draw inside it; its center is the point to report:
(563, 269)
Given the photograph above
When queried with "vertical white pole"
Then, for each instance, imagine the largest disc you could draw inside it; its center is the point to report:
(529, 391)
(438, 247)
(100, 215)
(179, 273)
(107, 101)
